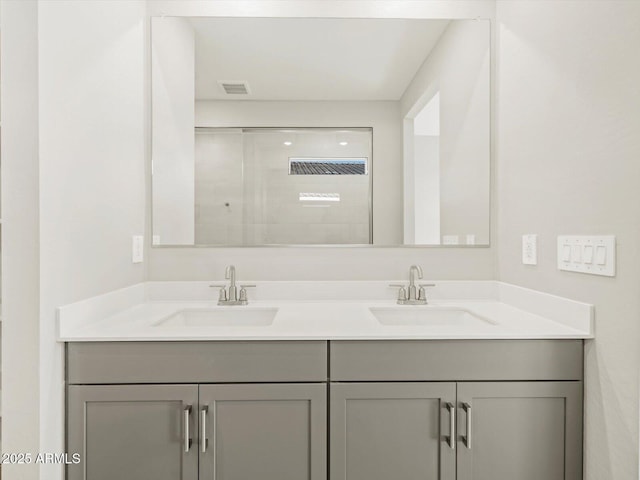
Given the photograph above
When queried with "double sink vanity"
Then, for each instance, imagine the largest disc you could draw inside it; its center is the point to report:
(317, 380)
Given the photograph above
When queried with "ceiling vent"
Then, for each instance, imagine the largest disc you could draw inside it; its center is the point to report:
(235, 87)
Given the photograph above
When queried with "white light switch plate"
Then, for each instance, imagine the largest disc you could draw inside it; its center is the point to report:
(530, 249)
(137, 249)
(595, 255)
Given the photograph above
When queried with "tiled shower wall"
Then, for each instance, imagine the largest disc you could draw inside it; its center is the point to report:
(245, 195)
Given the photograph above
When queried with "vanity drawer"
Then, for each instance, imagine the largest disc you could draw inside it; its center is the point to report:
(456, 360)
(196, 362)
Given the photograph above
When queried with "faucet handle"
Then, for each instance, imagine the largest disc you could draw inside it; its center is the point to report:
(242, 296)
(222, 295)
(422, 295)
(402, 292)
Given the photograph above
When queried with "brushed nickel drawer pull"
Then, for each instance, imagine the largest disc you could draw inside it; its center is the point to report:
(203, 427)
(187, 435)
(467, 440)
(452, 425)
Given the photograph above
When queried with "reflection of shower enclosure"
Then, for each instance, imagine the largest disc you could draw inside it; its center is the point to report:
(248, 193)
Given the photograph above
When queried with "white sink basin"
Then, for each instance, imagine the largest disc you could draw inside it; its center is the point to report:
(428, 316)
(240, 316)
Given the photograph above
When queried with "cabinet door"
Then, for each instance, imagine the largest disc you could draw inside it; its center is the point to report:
(382, 431)
(133, 432)
(520, 430)
(263, 432)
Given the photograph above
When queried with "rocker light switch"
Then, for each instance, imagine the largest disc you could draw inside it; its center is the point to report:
(588, 254)
(576, 253)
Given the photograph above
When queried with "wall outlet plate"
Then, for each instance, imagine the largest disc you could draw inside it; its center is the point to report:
(137, 249)
(530, 249)
(450, 240)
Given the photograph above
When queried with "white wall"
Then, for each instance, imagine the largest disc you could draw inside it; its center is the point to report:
(89, 131)
(20, 235)
(422, 225)
(459, 69)
(325, 8)
(172, 141)
(426, 178)
(569, 163)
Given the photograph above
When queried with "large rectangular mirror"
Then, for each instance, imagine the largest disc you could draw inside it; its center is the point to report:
(318, 131)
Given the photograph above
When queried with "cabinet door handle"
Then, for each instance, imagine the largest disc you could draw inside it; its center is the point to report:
(467, 440)
(452, 425)
(203, 428)
(187, 435)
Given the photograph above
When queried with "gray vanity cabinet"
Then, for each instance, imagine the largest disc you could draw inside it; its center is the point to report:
(504, 431)
(519, 430)
(263, 432)
(197, 410)
(394, 430)
(269, 410)
(170, 432)
(518, 410)
(132, 432)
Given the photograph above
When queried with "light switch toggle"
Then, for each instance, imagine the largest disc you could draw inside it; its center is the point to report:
(576, 253)
(588, 254)
(601, 255)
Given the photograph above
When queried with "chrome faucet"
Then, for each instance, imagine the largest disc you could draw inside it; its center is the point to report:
(414, 294)
(231, 295)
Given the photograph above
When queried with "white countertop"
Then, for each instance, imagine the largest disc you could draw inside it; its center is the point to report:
(321, 311)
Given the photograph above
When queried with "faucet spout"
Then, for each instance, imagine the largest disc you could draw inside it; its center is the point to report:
(230, 274)
(413, 271)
